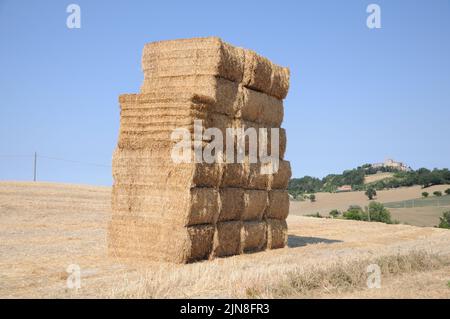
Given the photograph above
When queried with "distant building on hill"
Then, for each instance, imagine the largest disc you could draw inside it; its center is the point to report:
(393, 164)
(344, 188)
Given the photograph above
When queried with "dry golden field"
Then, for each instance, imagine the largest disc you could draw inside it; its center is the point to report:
(46, 227)
(425, 216)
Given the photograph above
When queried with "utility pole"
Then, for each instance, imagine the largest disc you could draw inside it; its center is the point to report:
(35, 162)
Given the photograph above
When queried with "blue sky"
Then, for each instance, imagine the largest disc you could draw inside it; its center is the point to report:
(357, 95)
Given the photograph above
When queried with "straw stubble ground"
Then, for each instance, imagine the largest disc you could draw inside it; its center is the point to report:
(46, 227)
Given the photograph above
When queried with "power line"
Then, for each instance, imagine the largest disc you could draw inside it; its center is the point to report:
(55, 159)
(72, 161)
(16, 156)
(37, 156)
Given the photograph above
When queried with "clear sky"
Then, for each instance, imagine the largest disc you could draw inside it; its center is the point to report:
(357, 95)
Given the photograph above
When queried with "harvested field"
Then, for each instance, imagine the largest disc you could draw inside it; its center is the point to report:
(46, 227)
(422, 216)
(325, 202)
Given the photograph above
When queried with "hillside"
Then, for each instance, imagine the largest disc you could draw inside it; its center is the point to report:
(46, 227)
(367, 176)
(377, 177)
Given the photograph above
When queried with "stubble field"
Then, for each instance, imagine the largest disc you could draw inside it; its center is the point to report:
(417, 216)
(46, 227)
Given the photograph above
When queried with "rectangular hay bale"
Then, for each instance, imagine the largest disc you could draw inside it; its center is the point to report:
(232, 204)
(254, 236)
(280, 179)
(278, 207)
(255, 204)
(276, 233)
(137, 238)
(183, 207)
(212, 56)
(227, 239)
(144, 166)
(234, 175)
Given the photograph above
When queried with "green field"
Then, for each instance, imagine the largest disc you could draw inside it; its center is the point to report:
(421, 202)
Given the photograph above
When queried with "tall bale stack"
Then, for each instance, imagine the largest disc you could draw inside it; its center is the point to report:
(183, 212)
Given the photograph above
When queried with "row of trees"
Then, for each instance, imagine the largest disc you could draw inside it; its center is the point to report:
(376, 212)
(355, 178)
(436, 193)
(422, 176)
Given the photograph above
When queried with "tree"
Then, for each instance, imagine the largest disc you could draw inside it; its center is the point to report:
(334, 213)
(355, 213)
(437, 193)
(306, 184)
(445, 220)
(425, 194)
(370, 193)
(424, 177)
(378, 213)
(312, 198)
(447, 191)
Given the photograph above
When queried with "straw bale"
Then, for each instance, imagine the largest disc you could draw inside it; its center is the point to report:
(280, 179)
(200, 242)
(248, 127)
(197, 56)
(211, 56)
(254, 236)
(232, 204)
(134, 238)
(227, 239)
(278, 204)
(143, 238)
(261, 108)
(144, 166)
(256, 180)
(280, 82)
(281, 142)
(262, 75)
(255, 204)
(234, 175)
(221, 95)
(181, 207)
(276, 233)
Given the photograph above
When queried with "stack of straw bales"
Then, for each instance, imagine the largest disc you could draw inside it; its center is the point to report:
(183, 212)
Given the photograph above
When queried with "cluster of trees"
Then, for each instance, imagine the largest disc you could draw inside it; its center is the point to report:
(436, 193)
(384, 169)
(422, 176)
(306, 184)
(375, 212)
(355, 178)
(309, 184)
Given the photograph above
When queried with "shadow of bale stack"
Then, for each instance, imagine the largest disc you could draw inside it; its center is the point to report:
(189, 211)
